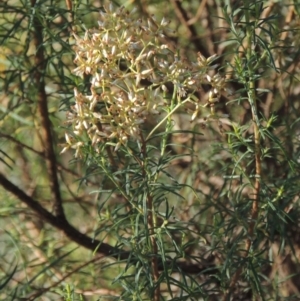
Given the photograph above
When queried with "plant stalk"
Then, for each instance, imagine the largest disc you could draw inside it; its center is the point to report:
(250, 85)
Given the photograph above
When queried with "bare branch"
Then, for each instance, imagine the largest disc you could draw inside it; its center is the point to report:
(184, 19)
(57, 221)
(44, 115)
(88, 242)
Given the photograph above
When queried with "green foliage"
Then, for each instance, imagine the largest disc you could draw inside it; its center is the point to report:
(171, 173)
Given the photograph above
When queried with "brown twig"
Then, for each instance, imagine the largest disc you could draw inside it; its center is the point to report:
(46, 289)
(57, 221)
(46, 125)
(198, 14)
(20, 144)
(88, 242)
(191, 30)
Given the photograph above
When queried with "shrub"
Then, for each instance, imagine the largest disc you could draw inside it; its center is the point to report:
(186, 156)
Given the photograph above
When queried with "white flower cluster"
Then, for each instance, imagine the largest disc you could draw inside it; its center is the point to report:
(119, 55)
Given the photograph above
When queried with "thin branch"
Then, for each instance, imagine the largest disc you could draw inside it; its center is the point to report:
(198, 14)
(59, 166)
(42, 100)
(21, 144)
(90, 243)
(46, 289)
(71, 16)
(192, 32)
(57, 221)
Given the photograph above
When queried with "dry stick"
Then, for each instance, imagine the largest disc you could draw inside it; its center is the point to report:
(69, 6)
(198, 14)
(71, 16)
(288, 19)
(192, 33)
(183, 18)
(46, 289)
(44, 114)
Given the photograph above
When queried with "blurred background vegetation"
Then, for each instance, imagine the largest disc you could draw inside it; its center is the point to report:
(40, 260)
